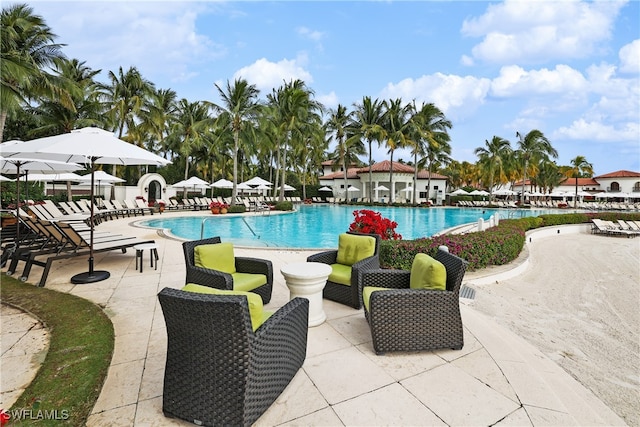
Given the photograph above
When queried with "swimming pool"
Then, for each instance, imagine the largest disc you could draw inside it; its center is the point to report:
(317, 226)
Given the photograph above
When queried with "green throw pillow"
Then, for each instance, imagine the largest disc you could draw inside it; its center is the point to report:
(428, 273)
(258, 316)
(217, 256)
(353, 248)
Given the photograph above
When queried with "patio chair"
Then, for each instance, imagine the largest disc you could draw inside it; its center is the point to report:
(219, 370)
(405, 312)
(216, 266)
(356, 253)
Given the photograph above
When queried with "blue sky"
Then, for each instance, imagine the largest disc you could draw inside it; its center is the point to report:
(568, 68)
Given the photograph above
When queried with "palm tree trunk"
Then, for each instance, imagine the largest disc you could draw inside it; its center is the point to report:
(393, 195)
(370, 189)
(415, 178)
(234, 192)
(3, 120)
(344, 169)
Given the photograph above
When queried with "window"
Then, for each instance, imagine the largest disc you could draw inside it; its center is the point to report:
(636, 187)
(615, 186)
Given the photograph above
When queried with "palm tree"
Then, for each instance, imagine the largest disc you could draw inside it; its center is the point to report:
(191, 130)
(580, 167)
(85, 110)
(293, 111)
(26, 50)
(549, 176)
(492, 157)
(396, 132)
(125, 98)
(239, 110)
(368, 124)
(157, 115)
(533, 146)
(336, 125)
(430, 138)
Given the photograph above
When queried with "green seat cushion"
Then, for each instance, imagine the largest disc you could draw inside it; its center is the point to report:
(217, 256)
(366, 294)
(257, 314)
(248, 281)
(353, 248)
(427, 273)
(340, 274)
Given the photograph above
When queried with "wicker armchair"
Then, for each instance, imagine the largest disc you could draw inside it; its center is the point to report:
(404, 319)
(221, 280)
(348, 295)
(218, 370)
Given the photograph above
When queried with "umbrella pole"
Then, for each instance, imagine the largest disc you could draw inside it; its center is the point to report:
(91, 276)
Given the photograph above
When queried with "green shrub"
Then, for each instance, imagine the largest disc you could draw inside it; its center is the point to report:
(284, 206)
(237, 209)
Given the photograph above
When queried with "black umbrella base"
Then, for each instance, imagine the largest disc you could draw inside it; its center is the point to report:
(90, 277)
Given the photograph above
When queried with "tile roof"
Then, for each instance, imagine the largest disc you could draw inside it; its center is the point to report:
(620, 174)
(581, 181)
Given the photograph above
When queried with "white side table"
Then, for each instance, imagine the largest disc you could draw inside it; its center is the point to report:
(307, 280)
(153, 254)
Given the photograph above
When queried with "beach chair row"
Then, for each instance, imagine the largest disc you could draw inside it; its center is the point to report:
(615, 228)
(44, 242)
(81, 210)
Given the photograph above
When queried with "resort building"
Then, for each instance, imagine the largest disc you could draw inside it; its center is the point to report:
(620, 182)
(400, 189)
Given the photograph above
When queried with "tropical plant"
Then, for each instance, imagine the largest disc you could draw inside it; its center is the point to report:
(336, 126)
(368, 124)
(396, 131)
(370, 222)
(492, 157)
(579, 168)
(238, 112)
(430, 140)
(27, 49)
(533, 146)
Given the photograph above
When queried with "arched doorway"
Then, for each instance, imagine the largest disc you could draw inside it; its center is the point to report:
(155, 191)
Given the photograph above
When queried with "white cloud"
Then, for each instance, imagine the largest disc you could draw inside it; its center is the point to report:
(456, 96)
(514, 81)
(267, 75)
(630, 57)
(329, 100)
(582, 129)
(537, 31)
(161, 39)
(305, 32)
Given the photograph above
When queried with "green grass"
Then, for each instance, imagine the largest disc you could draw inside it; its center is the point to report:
(80, 350)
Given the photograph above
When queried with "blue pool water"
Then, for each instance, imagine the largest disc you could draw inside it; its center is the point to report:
(317, 226)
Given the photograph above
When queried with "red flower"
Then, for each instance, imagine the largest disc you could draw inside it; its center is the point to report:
(367, 221)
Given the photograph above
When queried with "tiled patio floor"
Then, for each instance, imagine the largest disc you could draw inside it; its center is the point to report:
(496, 379)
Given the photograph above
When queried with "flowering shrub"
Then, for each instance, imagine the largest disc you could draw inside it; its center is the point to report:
(218, 205)
(367, 221)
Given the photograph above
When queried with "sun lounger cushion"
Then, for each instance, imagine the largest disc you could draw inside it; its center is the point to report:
(340, 274)
(427, 273)
(353, 248)
(217, 256)
(256, 312)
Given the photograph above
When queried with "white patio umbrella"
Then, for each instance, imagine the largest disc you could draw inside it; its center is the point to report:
(222, 183)
(193, 182)
(262, 187)
(459, 192)
(15, 165)
(287, 187)
(479, 193)
(350, 188)
(325, 188)
(256, 180)
(381, 188)
(91, 146)
(407, 190)
(102, 176)
(67, 177)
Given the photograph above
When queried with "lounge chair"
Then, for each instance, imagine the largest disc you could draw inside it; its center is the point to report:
(356, 253)
(75, 243)
(418, 309)
(226, 271)
(219, 369)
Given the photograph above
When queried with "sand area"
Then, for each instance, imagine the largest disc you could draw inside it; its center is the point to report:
(579, 303)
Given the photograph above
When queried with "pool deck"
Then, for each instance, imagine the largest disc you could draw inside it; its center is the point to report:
(496, 379)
